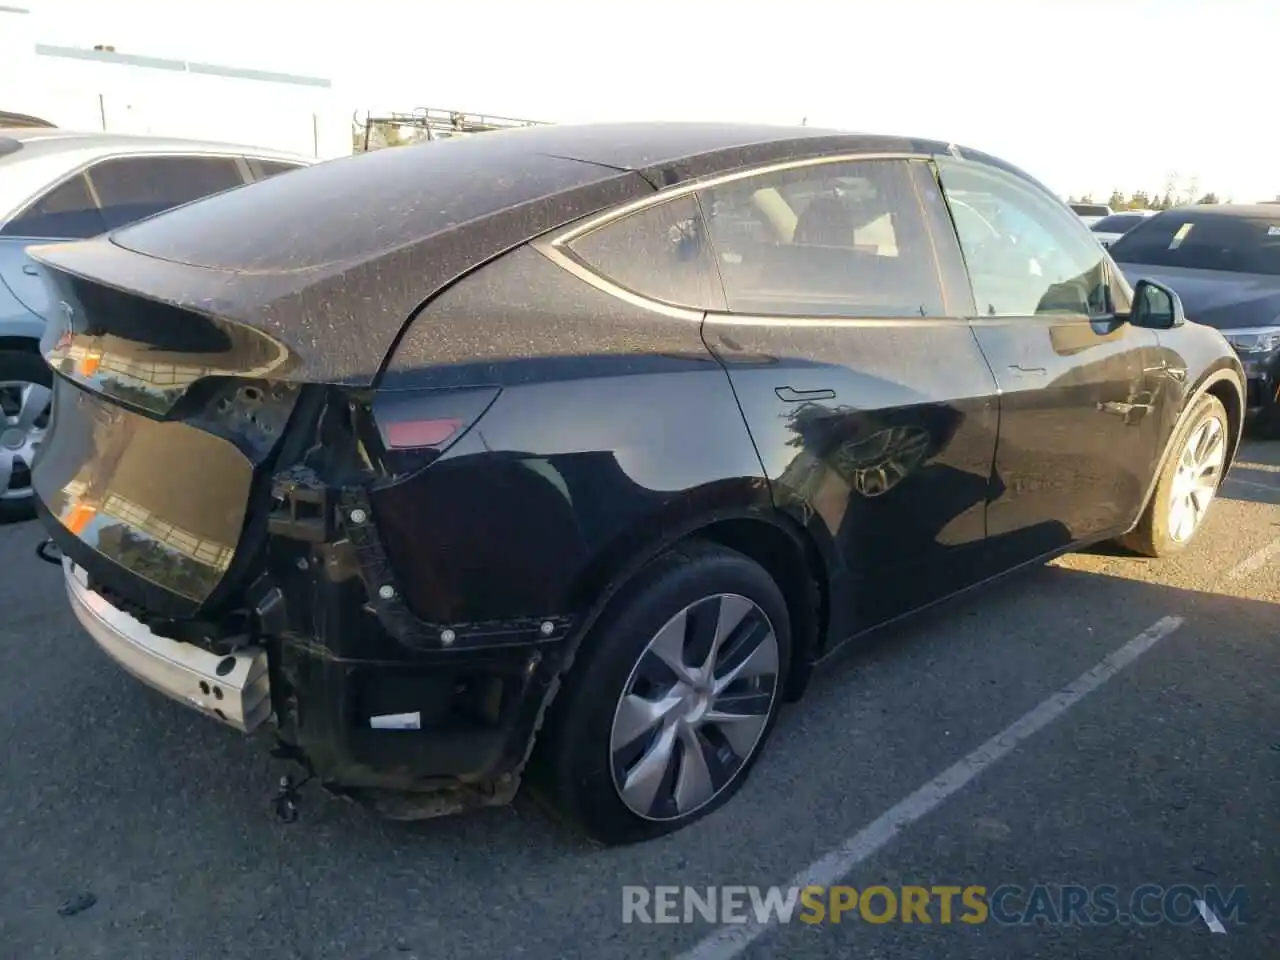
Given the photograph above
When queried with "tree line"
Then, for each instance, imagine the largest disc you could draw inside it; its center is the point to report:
(1142, 200)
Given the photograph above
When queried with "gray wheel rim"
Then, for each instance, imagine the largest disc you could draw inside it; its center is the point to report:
(1196, 478)
(693, 711)
(26, 413)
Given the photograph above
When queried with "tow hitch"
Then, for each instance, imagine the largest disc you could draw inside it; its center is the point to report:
(285, 803)
(48, 551)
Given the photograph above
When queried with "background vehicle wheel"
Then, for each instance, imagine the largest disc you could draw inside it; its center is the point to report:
(1188, 483)
(25, 381)
(671, 698)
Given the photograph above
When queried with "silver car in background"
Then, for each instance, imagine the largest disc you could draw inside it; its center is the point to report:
(1110, 229)
(58, 185)
(1090, 213)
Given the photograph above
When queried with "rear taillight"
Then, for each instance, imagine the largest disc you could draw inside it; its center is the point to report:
(416, 426)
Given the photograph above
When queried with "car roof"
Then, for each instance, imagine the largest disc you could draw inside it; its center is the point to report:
(1247, 210)
(667, 153)
(415, 218)
(50, 140)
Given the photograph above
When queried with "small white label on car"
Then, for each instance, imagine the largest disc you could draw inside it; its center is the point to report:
(81, 576)
(397, 721)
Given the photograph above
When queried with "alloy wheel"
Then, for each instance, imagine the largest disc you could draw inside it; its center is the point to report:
(25, 409)
(695, 707)
(1196, 478)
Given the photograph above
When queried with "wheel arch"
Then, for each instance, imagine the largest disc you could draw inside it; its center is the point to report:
(780, 545)
(1224, 383)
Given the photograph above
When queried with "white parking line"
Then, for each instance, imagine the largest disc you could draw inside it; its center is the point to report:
(1259, 467)
(1253, 561)
(1210, 918)
(1254, 483)
(728, 942)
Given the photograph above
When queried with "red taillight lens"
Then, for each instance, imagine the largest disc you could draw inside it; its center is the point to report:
(412, 434)
(428, 420)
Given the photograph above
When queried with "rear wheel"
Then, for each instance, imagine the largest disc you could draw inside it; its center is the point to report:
(1188, 483)
(671, 699)
(25, 381)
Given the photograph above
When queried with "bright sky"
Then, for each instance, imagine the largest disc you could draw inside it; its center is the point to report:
(1087, 95)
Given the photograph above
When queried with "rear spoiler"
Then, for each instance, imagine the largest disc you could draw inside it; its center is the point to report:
(147, 352)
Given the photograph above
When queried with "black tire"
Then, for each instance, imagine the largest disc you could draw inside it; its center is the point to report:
(31, 368)
(1151, 537)
(572, 770)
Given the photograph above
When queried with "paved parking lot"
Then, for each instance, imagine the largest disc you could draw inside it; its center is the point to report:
(1163, 771)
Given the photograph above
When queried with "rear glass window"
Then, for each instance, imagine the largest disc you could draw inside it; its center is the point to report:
(1090, 210)
(1205, 241)
(67, 212)
(381, 200)
(662, 253)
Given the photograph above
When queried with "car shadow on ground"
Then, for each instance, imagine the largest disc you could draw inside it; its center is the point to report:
(167, 818)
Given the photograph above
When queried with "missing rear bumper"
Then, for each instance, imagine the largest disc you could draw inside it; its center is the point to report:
(233, 688)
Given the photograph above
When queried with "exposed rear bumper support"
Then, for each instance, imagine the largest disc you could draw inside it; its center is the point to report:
(234, 688)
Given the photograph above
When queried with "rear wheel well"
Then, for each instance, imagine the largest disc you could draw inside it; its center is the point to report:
(794, 566)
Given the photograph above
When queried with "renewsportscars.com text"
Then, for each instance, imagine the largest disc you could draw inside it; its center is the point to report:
(1007, 904)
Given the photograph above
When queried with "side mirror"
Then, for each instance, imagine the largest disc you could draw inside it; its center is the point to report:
(1156, 307)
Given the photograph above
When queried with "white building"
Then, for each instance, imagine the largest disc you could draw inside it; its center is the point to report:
(87, 88)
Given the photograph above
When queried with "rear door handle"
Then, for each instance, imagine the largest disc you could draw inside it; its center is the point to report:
(792, 395)
(1038, 371)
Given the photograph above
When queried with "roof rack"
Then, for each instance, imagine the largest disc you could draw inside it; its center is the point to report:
(427, 123)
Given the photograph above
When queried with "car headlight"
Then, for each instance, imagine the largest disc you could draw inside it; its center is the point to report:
(1254, 340)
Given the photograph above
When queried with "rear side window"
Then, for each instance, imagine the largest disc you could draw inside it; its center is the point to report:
(67, 212)
(660, 253)
(262, 169)
(1090, 210)
(839, 239)
(131, 188)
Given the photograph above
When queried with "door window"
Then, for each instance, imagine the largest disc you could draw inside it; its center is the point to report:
(660, 252)
(67, 212)
(1026, 253)
(836, 239)
(131, 188)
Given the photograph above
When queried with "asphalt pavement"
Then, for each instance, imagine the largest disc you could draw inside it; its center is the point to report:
(1101, 723)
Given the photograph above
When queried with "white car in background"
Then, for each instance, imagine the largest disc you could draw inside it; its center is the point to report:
(58, 185)
(1090, 213)
(1110, 229)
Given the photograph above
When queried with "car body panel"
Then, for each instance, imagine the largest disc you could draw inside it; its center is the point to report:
(562, 494)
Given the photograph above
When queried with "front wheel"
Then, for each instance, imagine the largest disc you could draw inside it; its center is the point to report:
(671, 699)
(1187, 484)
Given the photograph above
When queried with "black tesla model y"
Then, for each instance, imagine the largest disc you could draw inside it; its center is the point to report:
(560, 456)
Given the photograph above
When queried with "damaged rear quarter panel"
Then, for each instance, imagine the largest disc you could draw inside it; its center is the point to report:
(614, 426)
